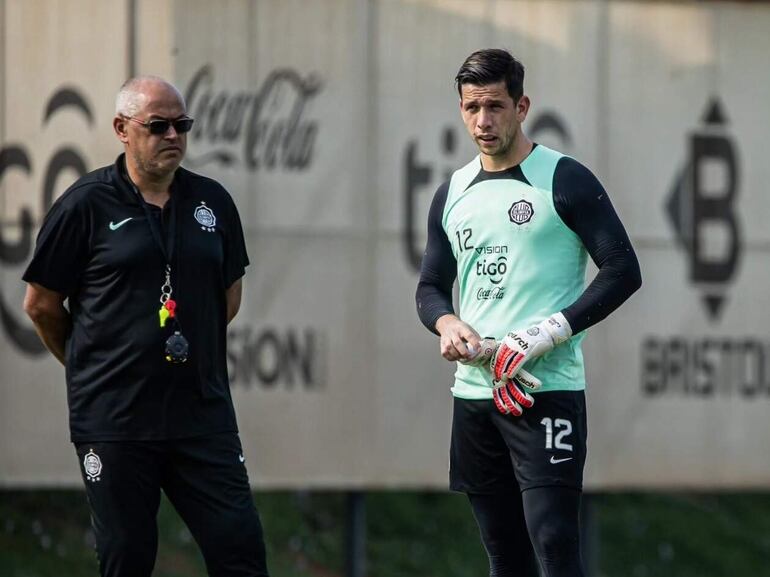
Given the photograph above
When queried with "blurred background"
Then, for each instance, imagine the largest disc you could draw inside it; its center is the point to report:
(332, 123)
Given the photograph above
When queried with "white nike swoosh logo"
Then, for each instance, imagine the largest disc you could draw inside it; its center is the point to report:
(555, 461)
(114, 226)
(241, 458)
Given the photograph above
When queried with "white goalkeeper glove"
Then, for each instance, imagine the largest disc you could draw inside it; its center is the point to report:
(511, 396)
(482, 356)
(520, 346)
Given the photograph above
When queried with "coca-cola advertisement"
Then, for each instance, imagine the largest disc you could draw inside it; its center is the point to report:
(265, 127)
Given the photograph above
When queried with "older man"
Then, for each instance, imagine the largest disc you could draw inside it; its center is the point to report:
(149, 258)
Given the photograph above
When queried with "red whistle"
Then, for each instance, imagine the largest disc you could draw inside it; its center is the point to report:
(170, 305)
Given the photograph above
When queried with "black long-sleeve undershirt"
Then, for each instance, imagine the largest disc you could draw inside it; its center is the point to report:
(439, 267)
(584, 206)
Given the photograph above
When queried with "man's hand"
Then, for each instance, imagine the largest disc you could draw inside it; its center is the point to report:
(459, 342)
(520, 346)
(511, 396)
(480, 357)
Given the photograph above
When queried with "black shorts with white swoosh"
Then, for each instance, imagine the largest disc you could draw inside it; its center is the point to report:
(546, 446)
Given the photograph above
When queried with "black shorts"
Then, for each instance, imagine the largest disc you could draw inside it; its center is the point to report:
(546, 446)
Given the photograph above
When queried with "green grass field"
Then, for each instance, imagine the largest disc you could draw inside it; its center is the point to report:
(47, 533)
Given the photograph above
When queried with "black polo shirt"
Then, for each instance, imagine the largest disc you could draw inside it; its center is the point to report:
(96, 247)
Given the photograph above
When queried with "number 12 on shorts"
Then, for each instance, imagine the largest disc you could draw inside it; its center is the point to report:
(565, 429)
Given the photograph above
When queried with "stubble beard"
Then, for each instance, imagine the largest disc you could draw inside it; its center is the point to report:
(153, 167)
(503, 148)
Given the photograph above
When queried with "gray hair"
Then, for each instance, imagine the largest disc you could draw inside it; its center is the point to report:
(131, 97)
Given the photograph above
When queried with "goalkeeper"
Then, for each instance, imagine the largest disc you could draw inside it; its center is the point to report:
(515, 227)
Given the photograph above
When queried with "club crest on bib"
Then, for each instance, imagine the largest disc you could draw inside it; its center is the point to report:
(92, 465)
(205, 217)
(521, 212)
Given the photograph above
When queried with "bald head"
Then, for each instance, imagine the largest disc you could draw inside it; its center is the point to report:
(133, 95)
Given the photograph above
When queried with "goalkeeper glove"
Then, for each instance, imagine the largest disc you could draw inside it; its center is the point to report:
(520, 346)
(481, 357)
(511, 396)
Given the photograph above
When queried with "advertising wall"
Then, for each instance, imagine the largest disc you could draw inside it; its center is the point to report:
(332, 123)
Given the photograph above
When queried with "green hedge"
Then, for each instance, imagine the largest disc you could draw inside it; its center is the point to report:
(409, 534)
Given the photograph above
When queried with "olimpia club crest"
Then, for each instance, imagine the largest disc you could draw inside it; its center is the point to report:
(205, 217)
(92, 465)
(521, 212)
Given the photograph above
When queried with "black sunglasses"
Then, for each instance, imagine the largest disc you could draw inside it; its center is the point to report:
(159, 126)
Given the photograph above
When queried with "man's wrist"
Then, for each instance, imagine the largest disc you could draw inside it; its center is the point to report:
(443, 320)
(557, 326)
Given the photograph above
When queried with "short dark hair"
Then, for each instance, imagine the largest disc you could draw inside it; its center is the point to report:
(489, 66)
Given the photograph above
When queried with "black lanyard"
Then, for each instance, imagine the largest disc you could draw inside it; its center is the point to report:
(166, 248)
(154, 227)
(176, 346)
